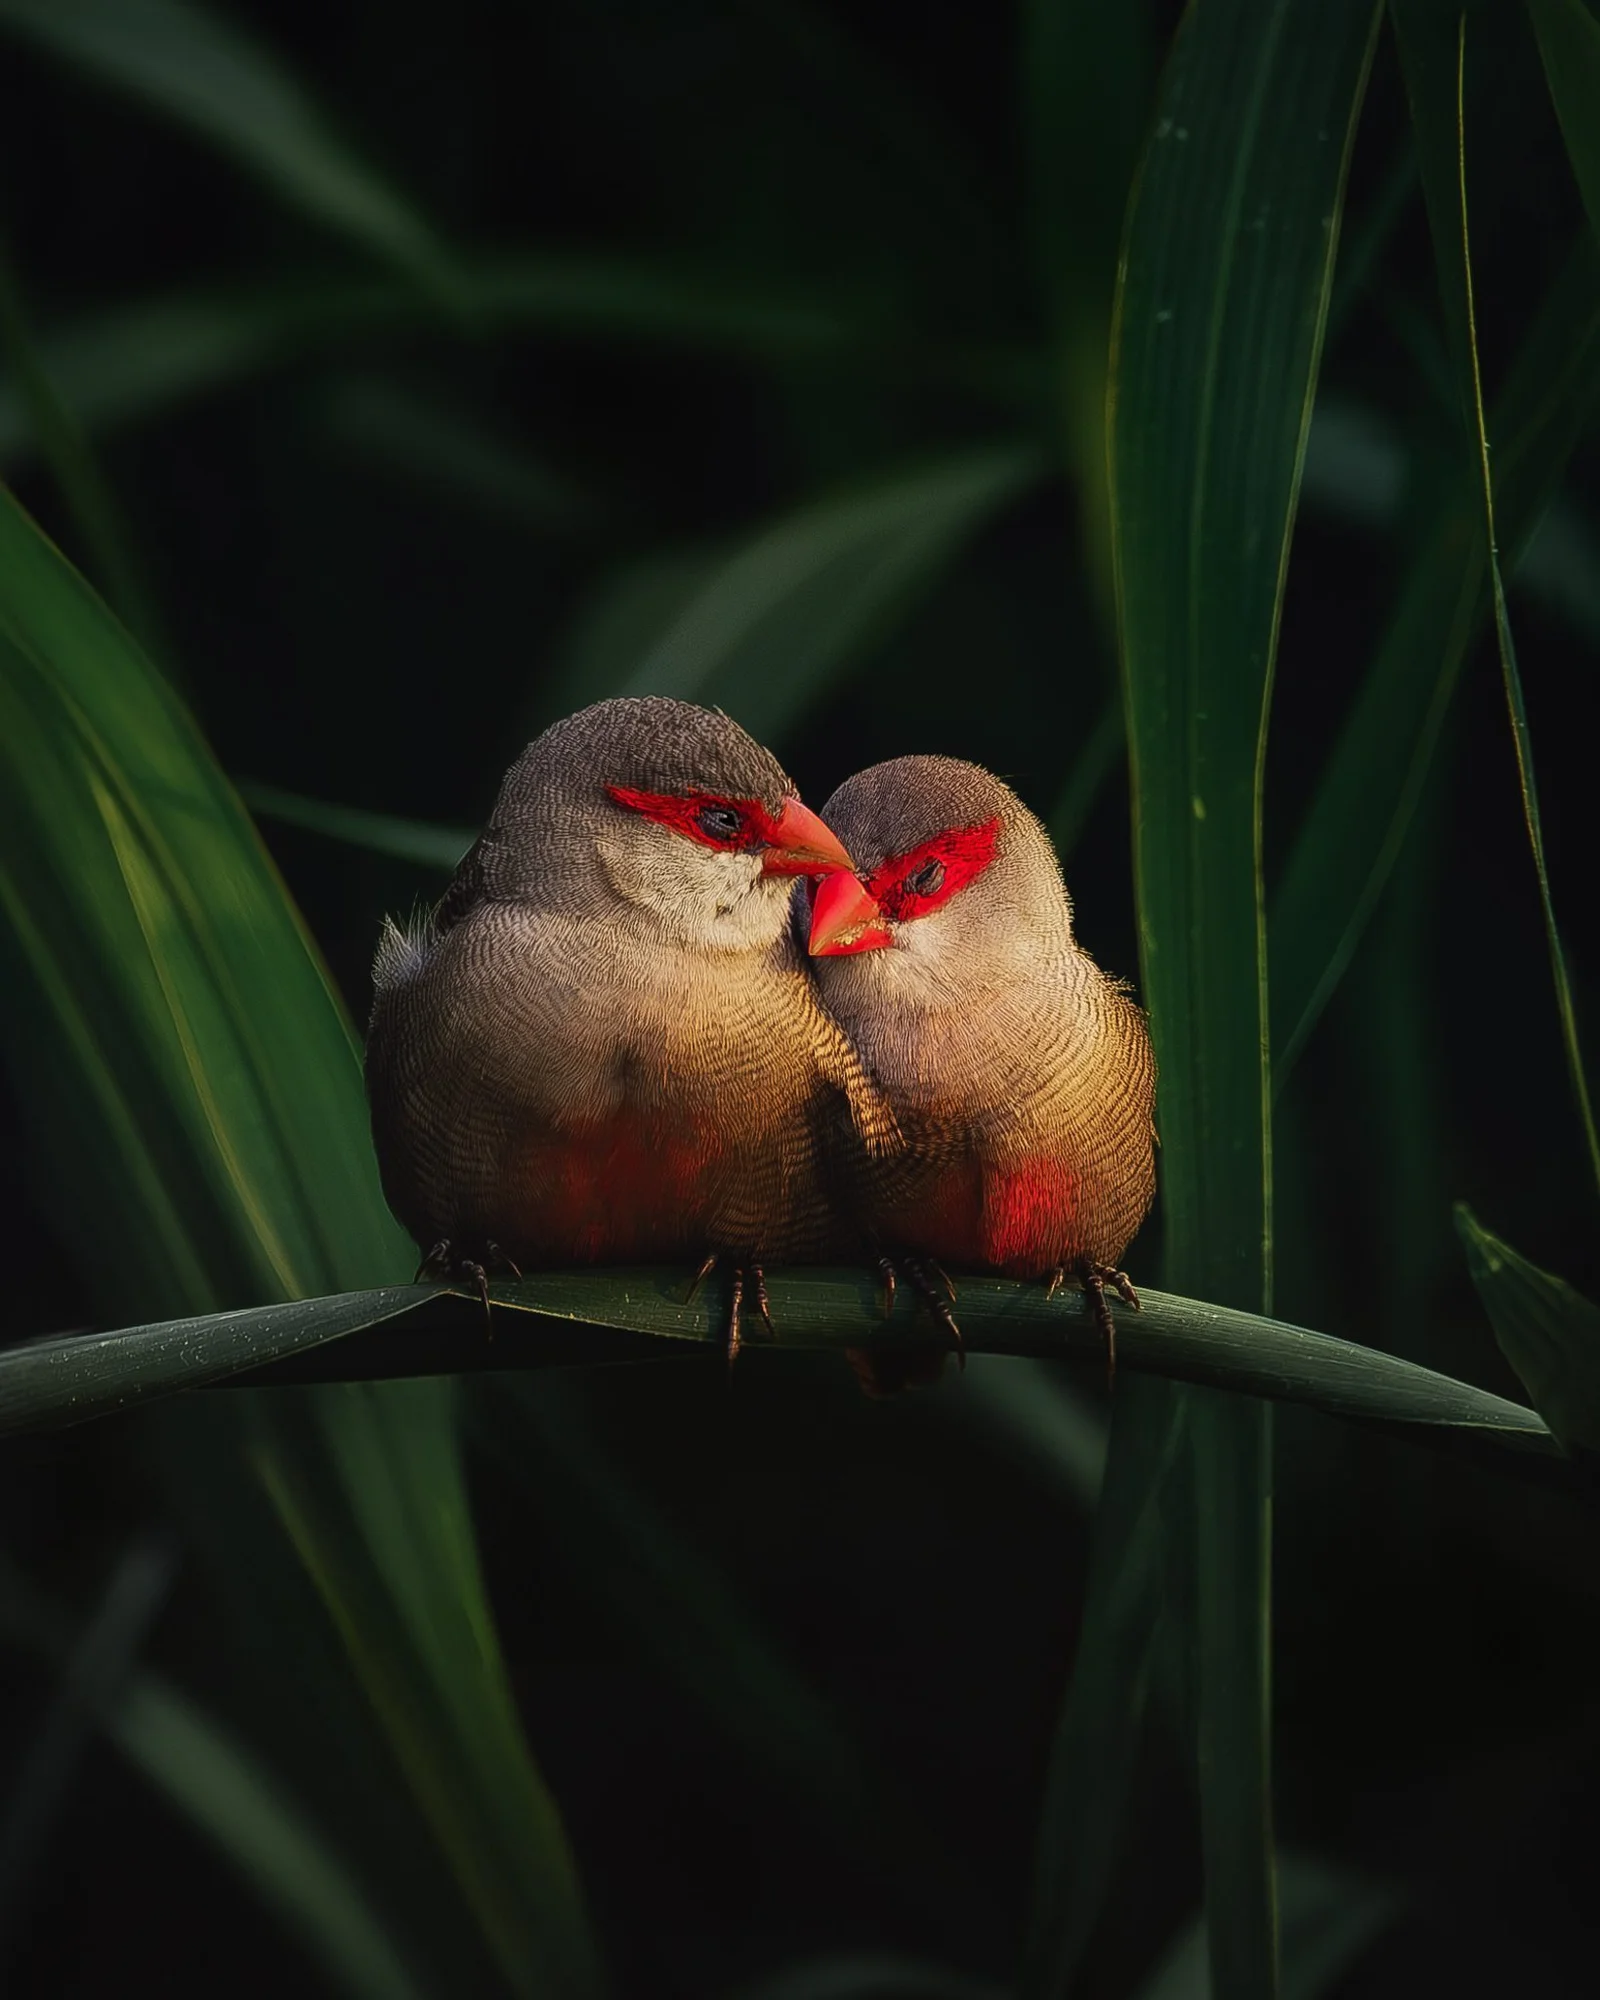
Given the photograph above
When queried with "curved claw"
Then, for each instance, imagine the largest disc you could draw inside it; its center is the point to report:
(699, 1279)
(498, 1258)
(751, 1278)
(947, 1320)
(1094, 1278)
(480, 1278)
(433, 1260)
(937, 1298)
(446, 1262)
(735, 1301)
(744, 1277)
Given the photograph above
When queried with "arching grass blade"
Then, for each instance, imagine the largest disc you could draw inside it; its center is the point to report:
(1223, 300)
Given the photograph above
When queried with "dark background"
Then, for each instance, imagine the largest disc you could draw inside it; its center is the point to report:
(378, 552)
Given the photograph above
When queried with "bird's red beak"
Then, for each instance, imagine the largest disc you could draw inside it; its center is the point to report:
(801, 845)
(844, 918)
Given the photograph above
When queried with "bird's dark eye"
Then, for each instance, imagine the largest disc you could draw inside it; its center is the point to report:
(720, 822)
(928, 879)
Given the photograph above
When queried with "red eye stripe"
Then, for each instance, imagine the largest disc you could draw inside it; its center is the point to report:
(962, 851)
(681, 812)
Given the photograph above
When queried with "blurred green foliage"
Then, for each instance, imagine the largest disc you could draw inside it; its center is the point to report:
(402, 380)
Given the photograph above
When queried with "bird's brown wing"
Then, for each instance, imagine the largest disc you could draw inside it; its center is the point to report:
(1068, 1163)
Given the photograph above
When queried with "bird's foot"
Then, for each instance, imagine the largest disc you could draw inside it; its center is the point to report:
(445, 1261)
(886, 1371)
(435, 1262)
(747, 1280)
(932, 1284)
(1094, 1278)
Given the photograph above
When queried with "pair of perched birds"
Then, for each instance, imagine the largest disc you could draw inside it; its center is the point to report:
(628, 1034)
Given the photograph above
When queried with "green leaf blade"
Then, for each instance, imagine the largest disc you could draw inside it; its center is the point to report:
(1436, 64)
(146, 927)
(187, 1058)
(1365, 800)
(1221, 310)
(773, 626)
(589, 1317)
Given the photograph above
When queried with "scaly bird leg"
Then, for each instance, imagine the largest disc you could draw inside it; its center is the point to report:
(885, 1371)
(735, 1302)
(744, 1275)
(753, 1278)
(1094, 1279)
(480, 1278)
(446, 1262)
(932, 1285)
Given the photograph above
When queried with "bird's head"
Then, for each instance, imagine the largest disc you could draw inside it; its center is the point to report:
(655, 810)
(958, 889)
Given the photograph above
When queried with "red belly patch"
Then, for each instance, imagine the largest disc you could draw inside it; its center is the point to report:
(1030, 1218)
(623, 1192)
(1022, 1220)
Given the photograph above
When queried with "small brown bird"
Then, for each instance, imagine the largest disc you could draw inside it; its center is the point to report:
(1021, 1075)
(604, 1044)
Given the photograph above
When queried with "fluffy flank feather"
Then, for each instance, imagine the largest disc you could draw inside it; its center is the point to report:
(402, 951)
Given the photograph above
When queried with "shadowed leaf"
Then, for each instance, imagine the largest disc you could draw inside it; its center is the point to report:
(130, 362)
(216, 1783)
(1088, 75)
(1330, 1916)
(94, 1671)
(435, 847)
(205, 72)
(452, 455)
(871, 1976)
(1436, 76)
(1093, 1759)
(681, 1610)
(1569, 44)
(1364, 801)
(380, 1519)
(1547, 1331)
(772, 628)
(52, 428)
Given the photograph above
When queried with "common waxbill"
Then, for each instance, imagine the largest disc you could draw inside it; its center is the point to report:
(1021, 1075)
(604, 1045)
